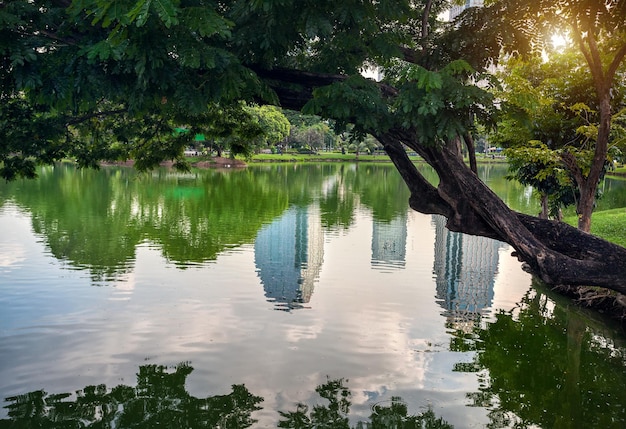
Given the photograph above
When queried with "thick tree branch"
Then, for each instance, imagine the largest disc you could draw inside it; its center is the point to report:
(424, 196)
(617, 61)
(559, 254)
(294, 88)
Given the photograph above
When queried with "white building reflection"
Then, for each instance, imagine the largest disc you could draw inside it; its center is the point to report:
(288, 254)
(465, 268)
(389, 243)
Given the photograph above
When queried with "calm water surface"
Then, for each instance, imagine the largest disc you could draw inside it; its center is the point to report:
(223, 298)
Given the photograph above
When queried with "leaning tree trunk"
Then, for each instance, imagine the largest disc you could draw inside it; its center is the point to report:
(557, 253)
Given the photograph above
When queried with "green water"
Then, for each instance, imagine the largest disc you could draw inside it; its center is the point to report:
(282, 296)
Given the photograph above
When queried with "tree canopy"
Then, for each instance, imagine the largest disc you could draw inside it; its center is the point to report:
(77, 76)
(553, 114)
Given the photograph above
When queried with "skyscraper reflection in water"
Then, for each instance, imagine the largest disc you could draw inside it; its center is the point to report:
(389, 243)
(288, 255)
(465, 268)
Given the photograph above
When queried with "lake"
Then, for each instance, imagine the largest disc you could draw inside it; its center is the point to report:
(283, 294)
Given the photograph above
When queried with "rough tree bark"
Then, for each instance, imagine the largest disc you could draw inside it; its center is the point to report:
(471, 150)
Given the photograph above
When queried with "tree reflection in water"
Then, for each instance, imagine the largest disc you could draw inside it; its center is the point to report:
(334, 415)
(532, 375)
(161, 400)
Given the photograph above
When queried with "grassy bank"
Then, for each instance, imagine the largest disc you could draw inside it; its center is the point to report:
(339, 157)
(619, 172)
(320, 157)
(608, 224)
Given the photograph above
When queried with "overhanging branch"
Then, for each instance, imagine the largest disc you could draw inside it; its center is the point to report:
(80, 119)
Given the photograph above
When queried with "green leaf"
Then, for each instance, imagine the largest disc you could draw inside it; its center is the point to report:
(205, 21)
(139, 13)
(426, 79)
(167, 11)
(458, 67)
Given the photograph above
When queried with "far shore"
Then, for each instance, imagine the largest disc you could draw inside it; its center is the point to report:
(227, 162)
(203, 162)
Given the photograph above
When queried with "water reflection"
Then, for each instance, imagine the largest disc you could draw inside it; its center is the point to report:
(531, 376)
(549, 365)
(465, 268)
(288, 254)
(195, 217)
(389, 243)
(392, 414)
(202, 253)
(160, 399)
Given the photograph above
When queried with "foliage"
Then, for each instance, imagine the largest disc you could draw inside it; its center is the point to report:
(545, 101)
(26, 134)
(617, 151)
(313, 137)
(355, 101)
(368, 145)
(232, 127)
(547, 115)
(538, 166)
(274, 125)
(440, 105)
(597, 32)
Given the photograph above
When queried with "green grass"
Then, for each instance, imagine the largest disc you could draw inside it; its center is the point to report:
(619, 170)
(607, 224)
(337, 156)
(320, 157)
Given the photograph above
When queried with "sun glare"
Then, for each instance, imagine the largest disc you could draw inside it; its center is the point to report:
(559, 41)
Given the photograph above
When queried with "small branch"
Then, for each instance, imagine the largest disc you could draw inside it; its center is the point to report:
(570, 163)
(471, 150)
(80, 119)
(45, 35)
(617, 61)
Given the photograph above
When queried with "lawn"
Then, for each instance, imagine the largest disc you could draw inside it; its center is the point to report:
(337, 156)
(319, 157)
(608, 224)
(621, 171)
